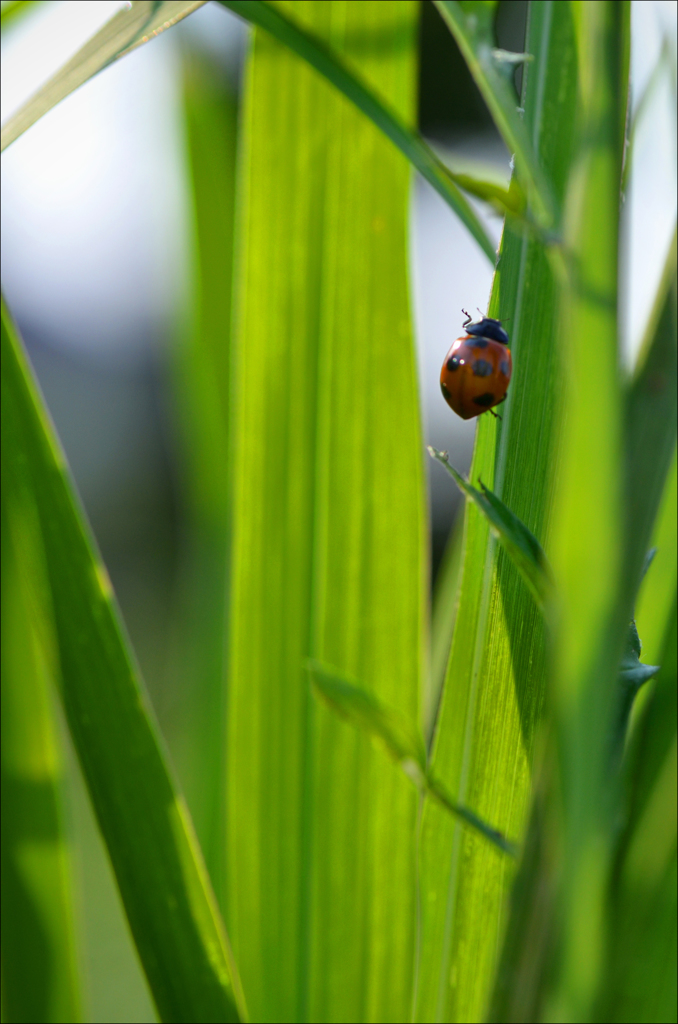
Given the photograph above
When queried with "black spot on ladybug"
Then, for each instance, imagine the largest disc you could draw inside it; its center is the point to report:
(478, 343)
(452, 364)
(484, 400)
(443, 389)
(481, 368)
(504, 367)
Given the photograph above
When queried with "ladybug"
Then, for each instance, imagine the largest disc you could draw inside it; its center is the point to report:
(477, 369)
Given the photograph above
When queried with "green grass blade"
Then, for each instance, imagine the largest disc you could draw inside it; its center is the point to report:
(595, 603)
(14, 9)
(39, 971)
(655, 599)
(440, 793)
(328, 535)
(201, 389)
(491, 705)
(144, 821)
(650, 422)
(471, 26)
(639, 980)
(306, 45)
(443, 617)
(401, 740)
(400, 737)
(632, 675)
(520, 544)
(131, 27)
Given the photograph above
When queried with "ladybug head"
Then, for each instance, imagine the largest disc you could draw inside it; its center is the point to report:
(486, 328)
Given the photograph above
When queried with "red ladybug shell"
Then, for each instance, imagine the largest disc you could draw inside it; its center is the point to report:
(475, 375)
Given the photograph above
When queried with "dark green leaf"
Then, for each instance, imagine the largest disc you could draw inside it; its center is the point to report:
(144, 821)
(521, 545)
(650, 413)
(39, 958)
(639, 978)
(655, 597)
(632, 675)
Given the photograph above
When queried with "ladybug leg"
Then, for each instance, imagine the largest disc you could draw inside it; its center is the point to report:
(496, 414)
(468, 318)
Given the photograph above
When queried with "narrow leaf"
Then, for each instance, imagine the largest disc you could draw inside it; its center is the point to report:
(329, 64)
(509, 200)
(39, 959)
(401, 739)
(520, 544)
(201, 388)
(133, 26)
(639, 978)
(490, 712)
(650, 415)
(144, 821)
(473, 34)
(440, 793)
(587, 547)
(360, 707)
(655, 598)
(14, 9)
(443, 616)
(632, 675)
(663, 69)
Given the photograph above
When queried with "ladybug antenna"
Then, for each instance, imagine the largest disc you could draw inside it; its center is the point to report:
(483, 315)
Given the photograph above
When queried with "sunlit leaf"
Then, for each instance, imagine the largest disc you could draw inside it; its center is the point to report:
(329, 64)
(443, 616)
(328, 549)
(491, 705)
